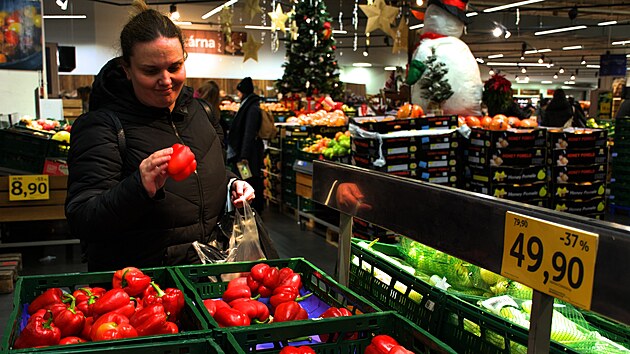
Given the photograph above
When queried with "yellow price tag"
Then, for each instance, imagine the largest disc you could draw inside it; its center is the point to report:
(551, 258)
(28, 187)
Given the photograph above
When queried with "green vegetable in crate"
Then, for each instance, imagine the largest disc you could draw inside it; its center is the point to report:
(457, 273)
(564, 330)
(512, 288)
(514, 315)
(489, 277)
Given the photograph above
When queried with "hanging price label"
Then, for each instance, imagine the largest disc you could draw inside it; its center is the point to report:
(28, 187)
(551, 258)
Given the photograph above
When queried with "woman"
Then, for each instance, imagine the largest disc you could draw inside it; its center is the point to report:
(121, 201)
(210, 92)
(559, 111)
(244, 145)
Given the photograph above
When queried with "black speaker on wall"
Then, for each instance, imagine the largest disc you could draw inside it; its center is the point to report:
(67, 58)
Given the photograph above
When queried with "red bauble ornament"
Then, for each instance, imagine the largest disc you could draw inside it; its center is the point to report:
(327, 25)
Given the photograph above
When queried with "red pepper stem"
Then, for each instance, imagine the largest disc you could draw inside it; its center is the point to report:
(87, 291)
(48, 322)
(257, 321)
(256, 297)
(372, 243)
(303, 297)
(159, 291)
(68, 298)
(123, 281)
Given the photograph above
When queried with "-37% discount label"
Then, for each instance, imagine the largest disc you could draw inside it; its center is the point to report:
(28, 187)
(551, 258)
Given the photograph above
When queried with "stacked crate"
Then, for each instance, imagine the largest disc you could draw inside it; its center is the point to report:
(620, 181)
(578, 160)
(508, 164)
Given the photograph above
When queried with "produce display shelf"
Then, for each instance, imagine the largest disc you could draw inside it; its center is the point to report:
(156, 346)
(27, 288)
(345, 335)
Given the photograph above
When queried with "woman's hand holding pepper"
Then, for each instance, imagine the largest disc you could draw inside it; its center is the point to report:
(242, 192)
(153, 170)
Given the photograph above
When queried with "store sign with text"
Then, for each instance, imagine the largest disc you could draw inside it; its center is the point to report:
(213, 42)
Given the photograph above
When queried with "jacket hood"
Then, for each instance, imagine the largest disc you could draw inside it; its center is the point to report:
(112, 90)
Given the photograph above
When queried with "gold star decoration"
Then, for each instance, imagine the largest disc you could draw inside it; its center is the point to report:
(250, 48)
(278, 19)
(401, 38)
(294, 31)
(252, 7)
(380, 16)
(225, 17)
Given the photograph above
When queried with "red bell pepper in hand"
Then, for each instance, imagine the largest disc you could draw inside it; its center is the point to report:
(213, 305)
(229, 317)
(172, 299)
(132, 280)
(110, 301)
(182, 162)
(149, 320)
(262, 279)
(254, 309)
(71, 340)
(39, 332)
(289, 311)
(297, 350)
(49, 297)
(290, 278)
(336, 312)
(70, 321)
(233, 293)
(381, 344)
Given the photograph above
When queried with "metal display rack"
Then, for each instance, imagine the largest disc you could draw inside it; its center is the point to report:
(471, 227)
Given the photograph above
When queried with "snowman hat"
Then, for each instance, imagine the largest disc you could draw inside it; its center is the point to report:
(456, 8)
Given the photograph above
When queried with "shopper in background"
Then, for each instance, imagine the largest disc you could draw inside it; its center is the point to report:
(579, 117)
(120, 200)
(559, 112)
(210, 92)
(244, 145)
(540, 110)
(624, 108)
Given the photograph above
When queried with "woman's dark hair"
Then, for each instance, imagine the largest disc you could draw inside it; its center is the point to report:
(209, 91)
(146, 26)
(559, 95)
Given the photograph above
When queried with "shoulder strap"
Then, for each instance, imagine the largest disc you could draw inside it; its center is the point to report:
(120, 132)
(216, 123)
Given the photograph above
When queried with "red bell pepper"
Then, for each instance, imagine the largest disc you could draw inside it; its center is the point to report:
(229, 317)
(290, 278)
(114, 330)
(233, 293)
(289, 311)
(132, 280)
(133, 306)
(110, 301)
(168, 328)
(149, 320)
(237, 282)
(56, 308)
(87, 328)
(262, 279)
(182, 162)
(71, 340)
(333, 312)
(86, 297)
(70, 321)
(399, 349)
(213, 305)
(49, 297)
(297, 350)
(108, 317)
(39, 332)
(381, 344)
(39, 313)
(172, 299)
(284, 294)
(254, 309)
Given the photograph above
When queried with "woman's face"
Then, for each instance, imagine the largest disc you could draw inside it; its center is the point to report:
(157, 72)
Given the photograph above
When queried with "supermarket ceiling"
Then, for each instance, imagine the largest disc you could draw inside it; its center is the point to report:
(600, 26)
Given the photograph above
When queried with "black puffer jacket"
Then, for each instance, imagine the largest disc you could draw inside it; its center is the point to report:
(107, 205)
(243, 136)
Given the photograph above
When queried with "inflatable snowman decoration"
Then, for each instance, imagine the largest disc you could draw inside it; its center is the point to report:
(443, 25)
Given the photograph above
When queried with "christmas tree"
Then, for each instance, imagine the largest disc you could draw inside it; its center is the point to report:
(310, 66)
(433, 85)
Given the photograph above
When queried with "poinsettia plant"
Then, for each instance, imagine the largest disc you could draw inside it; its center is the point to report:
(497, 93)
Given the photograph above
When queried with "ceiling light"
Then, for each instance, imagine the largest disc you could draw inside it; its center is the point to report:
(362, 65)
(561, 71)
(419, 2)
(340, 32)
(621, 43)
(546, 82)
(572, 77)
(491, 72)
(517, 78)
(174, 13)
(497, 32)
(607, 23)
(416, 26)
(390, 68)
(508, 34)
(479, 60)
(536, 51)
(541, 59)
(64, 17)
(523, 70)
(218, 9)
(182, 23)
(498, 63)
(583, 61)
(365, 52)
(522, 57)
(592, 66)
(495, 56)
(569, 82)
(555, 76)
(558, 30)
(471, 14)
(572, 47)
(627, 55)
(503, 7)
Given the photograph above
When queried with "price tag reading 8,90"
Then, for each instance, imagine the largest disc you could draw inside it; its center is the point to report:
(28, 187)
(551, 258)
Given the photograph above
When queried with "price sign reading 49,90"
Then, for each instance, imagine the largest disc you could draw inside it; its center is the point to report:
(28, 187)
(554, 259)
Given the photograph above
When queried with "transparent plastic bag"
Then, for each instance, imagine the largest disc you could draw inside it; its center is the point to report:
(244, 243)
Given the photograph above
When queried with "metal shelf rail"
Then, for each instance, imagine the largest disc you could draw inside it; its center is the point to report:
(472, 227)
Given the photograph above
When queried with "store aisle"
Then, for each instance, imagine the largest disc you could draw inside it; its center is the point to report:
(289, 240)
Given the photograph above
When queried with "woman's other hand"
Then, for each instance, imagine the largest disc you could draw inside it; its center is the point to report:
(242, 192)
(153, 170)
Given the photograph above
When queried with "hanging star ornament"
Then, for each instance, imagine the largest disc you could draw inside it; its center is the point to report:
(294, 31)
(252, 7)
(380, 16)
(402, 37)
(278, 19)
(225, 17)
(250, 48)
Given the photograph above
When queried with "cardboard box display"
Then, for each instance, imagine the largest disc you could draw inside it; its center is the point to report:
(576, 138)
(493, 156)
(565, 157)
(405, 144)
(426, 159)
(579, 206)
(390, 124)
(508, 139)
(578, 174)
(517, 192)
(507, 174)
(586, 190)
